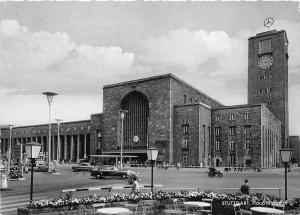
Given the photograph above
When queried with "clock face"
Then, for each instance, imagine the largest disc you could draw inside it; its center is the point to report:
(265, 61)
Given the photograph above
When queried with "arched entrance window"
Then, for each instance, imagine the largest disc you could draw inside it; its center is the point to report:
(136, 120)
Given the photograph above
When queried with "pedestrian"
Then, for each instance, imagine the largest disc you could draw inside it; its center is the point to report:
(245, 189)
(135, 186)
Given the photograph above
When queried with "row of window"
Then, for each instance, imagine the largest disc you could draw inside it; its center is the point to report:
(232, 117)
(265, 77)
(232, 145)
(232, 130)
(268, 90)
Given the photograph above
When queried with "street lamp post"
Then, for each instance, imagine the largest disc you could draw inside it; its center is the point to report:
(58, 139)
(9, 151)
(152, 156)
(32, 150)
(285, 158)
(21, 160)
(122, 114)
(49, 98)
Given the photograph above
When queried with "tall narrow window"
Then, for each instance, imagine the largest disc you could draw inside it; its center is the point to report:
(232, 130)
(247, 144)
(218, 143)
(246, 116)
(218, 118)
(217, 131)
(185, 143)
(231, 117)
(185, 160)
(185, 128)
(232, 160)
(184, 98)
(232, 144)
(247, 129)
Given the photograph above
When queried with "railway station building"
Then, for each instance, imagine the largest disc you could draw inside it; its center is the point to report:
(184, 123)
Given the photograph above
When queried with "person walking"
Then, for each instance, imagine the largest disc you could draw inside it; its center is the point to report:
(245, 189)
(135, 186)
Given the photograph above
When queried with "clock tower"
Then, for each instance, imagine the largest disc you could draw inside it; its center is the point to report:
(268, 75)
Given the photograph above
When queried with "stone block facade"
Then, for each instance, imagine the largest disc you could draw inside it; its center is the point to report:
(270, 86)
(163, 94)
(239, 133)
(192, 134)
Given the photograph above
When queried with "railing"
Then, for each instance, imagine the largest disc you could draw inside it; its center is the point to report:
(109, 188)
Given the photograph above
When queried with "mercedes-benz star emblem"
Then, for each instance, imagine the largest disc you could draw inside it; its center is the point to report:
(268, 22)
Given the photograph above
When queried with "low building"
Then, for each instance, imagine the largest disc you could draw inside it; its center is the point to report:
(74, 141)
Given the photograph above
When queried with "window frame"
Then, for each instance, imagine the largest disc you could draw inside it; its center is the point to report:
(232, 130)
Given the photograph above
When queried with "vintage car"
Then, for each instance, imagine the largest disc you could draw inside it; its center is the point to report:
(43, 167)
(83, 166)
(101, 172)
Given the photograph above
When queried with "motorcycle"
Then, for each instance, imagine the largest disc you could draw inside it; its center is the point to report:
(214, 173)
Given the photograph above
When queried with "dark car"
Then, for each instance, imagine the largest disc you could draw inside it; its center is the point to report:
(213, 172)
(84, 166)
(101, 172)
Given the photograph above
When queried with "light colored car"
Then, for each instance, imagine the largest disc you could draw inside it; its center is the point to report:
(43, 167)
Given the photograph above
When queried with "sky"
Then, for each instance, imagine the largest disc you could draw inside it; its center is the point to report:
(75, 48)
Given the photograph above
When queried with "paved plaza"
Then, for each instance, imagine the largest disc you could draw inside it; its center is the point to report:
(50, 186)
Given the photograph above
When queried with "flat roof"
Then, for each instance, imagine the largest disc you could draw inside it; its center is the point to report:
(46, 125)
(168, 75)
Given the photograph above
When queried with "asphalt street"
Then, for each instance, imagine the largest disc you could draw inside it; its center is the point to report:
(50, 185)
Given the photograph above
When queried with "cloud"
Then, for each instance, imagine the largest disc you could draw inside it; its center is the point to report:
(192, 50)
(32, 62)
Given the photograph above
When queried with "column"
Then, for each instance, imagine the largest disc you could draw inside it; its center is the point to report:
(58, 148)
(65, 146)
(78, 147)
(72, 148)
(84, 147)
(42, 142)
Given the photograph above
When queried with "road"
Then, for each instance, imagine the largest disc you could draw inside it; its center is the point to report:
(50, 185)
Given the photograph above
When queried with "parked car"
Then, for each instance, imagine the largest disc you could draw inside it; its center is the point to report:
(83, 166)
(43, 167)
(101, 172)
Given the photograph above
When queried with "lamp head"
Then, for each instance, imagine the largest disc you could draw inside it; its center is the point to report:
(152, 153)
(58, 121)
(49, 96)
(33, 149)
(122, 113)
(285, 155)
